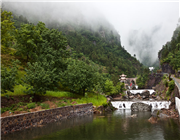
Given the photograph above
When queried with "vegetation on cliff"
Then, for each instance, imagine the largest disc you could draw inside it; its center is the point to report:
(170, 53)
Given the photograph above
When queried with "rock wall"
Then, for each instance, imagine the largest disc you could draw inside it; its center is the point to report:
(166, 68)
(153, 80)
(33, 119)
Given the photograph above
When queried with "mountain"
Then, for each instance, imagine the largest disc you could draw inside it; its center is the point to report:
(90, 36)
(169, 55)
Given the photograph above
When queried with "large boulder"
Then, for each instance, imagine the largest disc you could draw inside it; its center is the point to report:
(140, 107)
(145, 94)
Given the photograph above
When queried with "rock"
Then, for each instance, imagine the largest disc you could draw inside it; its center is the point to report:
(158, 98)
(154, 93)
(125, 97)
(134, 116)
(159, 113)
(156, 112)
(131, 97)
(162, 115)
(140, 107)
(136, 95)
(129, 93)
(136, 99)
(152, 119)
(145, 94)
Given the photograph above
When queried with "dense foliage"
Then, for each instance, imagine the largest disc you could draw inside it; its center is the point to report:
(8, 77)
(79, 59)
(7, 27)
(170, 53)
(142, 79)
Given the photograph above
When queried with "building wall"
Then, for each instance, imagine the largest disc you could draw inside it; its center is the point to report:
(33, 119)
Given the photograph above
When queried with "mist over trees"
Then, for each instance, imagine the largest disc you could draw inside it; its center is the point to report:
(77, 54)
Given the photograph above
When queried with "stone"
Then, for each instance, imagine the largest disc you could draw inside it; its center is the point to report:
(159, 113)
(129, 93)
(154, 93)
(140, 107)
(158, 98)
(136, 99)
(131, 97)
(134, 116)
(152, 120)
(145, 94)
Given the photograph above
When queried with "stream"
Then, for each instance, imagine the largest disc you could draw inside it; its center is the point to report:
(109, 126)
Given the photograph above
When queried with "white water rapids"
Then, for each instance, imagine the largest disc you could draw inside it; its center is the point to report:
(155, 104)
(140, 91)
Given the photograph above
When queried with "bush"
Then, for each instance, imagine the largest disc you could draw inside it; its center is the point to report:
(171, 85)
(168, 93)
(44, 105)
(165, 82)
(31, 105)
(8, 77)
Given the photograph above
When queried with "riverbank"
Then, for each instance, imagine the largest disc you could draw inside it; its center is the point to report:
(18, 104)
(23, 121)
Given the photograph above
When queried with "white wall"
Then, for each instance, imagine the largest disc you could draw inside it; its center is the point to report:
(177, 102)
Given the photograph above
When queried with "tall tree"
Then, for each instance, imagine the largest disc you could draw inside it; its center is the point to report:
(80, 77)
(7, 27)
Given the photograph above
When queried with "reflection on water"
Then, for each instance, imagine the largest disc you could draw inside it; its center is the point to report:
(112, 126)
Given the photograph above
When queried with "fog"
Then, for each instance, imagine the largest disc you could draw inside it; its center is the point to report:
(144, 27)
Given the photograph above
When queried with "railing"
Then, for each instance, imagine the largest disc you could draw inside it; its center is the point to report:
(177, 84)
(177, 100)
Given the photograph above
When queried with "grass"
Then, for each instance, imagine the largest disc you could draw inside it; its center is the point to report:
(61, 94)
(92, 98)
(18, 90)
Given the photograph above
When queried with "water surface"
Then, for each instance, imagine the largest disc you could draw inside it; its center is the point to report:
(113, 126)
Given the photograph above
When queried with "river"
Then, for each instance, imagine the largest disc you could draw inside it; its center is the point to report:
(109, 126)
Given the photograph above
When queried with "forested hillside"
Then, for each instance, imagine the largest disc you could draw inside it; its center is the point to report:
(99, 43)
(170, 52)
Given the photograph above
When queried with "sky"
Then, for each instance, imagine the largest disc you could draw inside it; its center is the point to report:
(144, 26)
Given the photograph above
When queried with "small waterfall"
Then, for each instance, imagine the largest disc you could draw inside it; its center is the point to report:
(140, 91)
(154, 104)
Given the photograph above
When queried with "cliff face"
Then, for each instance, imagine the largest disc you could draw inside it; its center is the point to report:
(153, 80)
(166, 68)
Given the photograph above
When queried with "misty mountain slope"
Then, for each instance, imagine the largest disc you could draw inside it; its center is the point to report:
(102, 46)
(170, 52)
(89, 36)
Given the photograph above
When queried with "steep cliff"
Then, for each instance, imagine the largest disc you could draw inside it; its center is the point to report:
(153, 80)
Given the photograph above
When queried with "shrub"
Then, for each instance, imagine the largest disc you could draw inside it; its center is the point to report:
(31, 105)
(165, 82)
(168, 93)
(44, 105)
(20, 109)
(171, 85)
(105, 104)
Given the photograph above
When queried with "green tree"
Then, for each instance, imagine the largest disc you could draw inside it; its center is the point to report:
(175, 62)
(8, 77)
(46, 72)
(28, 38)
(109, 87)
(39, 79)
(7, 27)
(80, 77)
